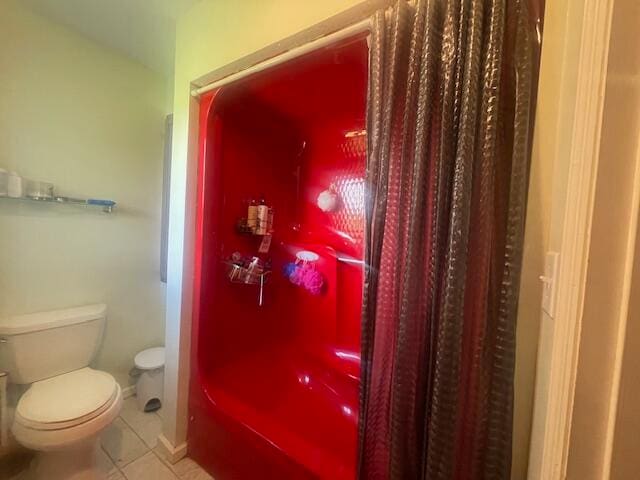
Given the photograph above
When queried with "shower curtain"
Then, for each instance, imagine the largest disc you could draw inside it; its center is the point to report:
(449, 120)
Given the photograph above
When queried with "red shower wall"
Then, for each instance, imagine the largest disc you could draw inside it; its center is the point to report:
(274, 388)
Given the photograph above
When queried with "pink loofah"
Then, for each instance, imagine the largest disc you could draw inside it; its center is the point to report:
(312, 280)
(307, 277)
(297, 276)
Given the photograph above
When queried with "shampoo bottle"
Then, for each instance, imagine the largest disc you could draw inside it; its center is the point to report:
(270, 221)
(252, 215)
(263, 217)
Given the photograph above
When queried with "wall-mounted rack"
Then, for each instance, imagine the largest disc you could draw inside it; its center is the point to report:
(107, 205)
(238, 274)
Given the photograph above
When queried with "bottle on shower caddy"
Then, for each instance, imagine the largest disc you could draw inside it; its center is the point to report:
(252, 215)
(270, 221)
(262, 227)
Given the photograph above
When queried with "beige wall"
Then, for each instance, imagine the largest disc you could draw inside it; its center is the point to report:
(90, 121)
(610, 265)
(213, 34)
(625, 88)
(626, 460)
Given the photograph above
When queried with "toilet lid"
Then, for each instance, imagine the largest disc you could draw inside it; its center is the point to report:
(66, 400)
(150, 359)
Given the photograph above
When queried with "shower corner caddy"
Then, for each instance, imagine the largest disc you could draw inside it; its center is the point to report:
(243, 229)
(239, 274)
(107, 206)
(242, 275)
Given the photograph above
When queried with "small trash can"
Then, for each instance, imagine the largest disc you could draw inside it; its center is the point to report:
(150, 383)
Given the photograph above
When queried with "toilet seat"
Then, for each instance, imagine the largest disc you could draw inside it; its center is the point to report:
(66, 400)
(36, 436)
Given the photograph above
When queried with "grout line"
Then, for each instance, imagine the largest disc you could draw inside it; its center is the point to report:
(137, 458)
(109, 457)
(152, 450)
(166, 464)
(122, 473)
(134, 430)
(136, 434)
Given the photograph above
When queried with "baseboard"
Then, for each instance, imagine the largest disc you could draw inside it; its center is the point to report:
(169, 452)
(129, 391)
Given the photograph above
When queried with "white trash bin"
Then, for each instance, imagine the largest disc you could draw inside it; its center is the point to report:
(150, 384)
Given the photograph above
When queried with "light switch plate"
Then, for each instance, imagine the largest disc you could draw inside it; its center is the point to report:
(549, 283)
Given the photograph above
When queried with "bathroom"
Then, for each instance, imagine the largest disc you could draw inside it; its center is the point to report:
(91, 122)
(215, 261)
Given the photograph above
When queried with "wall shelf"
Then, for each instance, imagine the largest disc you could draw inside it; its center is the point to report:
(107, 205)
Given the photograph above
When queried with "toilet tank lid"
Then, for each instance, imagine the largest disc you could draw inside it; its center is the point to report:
(33, 322)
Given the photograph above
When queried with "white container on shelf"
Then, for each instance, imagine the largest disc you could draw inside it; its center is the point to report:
(4, 182)
(15, 185)
(38, 190)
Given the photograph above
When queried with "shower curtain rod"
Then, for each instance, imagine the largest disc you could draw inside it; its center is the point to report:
(356, 28)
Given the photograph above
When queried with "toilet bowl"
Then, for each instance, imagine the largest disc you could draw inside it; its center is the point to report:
(67, 404)
(62, 418)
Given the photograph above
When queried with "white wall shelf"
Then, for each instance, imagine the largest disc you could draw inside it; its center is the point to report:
(107, 206)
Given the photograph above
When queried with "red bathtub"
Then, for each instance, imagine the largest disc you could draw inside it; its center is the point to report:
(275, 369)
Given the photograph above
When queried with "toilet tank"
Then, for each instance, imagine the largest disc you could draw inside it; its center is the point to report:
(42, 345)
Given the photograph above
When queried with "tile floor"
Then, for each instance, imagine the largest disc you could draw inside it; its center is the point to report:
(129, 450)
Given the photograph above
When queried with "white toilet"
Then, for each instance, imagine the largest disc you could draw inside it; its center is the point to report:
(67, 404)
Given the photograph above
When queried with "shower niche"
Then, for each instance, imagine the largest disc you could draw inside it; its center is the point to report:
(275, 368)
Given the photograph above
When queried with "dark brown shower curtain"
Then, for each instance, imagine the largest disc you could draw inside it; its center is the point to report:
(449, 123)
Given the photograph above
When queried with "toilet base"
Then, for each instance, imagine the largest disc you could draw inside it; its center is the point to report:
(78, 462)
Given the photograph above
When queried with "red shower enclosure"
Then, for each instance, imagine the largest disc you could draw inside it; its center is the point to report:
(275, 381)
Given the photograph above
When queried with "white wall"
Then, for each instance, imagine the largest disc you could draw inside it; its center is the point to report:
(90, 121)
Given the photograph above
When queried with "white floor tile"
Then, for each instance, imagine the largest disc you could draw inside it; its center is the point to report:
(183, 466)
(146, 425)
(197, 474)
(106, 466)
(160, 453)
(122, 445)
(148, 467)
(187, 469)
(116, 476)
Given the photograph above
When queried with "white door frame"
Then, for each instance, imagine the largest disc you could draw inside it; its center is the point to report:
(590, 20)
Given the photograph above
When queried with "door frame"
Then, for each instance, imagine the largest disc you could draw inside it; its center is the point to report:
(589, 23)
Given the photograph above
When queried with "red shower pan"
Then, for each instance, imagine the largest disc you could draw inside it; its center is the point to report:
(275, 368)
